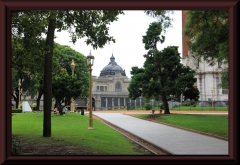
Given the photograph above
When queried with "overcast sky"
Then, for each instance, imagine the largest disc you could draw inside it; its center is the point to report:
(128, 49)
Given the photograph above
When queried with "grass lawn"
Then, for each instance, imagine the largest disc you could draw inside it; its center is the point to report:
(200, 108)
(73, 129)
(208, 123)
(187, 108)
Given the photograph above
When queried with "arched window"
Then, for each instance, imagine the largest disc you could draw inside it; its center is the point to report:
(118, 87)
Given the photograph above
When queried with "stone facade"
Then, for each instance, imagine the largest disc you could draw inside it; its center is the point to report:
(208, 77)
(110, 88)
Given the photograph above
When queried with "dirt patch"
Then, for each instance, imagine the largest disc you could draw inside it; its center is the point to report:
(28, 148)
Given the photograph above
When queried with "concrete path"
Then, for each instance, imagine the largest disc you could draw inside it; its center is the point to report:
(173, 140)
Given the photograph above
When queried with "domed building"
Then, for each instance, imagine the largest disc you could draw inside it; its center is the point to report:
(112, 68)
(110, 88)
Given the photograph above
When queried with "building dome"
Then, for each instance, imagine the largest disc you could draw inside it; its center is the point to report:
(112, 68)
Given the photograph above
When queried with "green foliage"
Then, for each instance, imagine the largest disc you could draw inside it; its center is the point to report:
(191, 93)
(208, 31)
(64, 56)
(161, 106)
(148, 106)
(153, 36)
(34, 104)
(17, 110)
(163, 17)
(16, 150)
(224, 82)
(67, 86)
(163, 74)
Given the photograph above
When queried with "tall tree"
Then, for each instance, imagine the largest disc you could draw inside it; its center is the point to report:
(92, 24)
(163, 17)
(77, 85)
(208, 31)
(65, 87)
(162, 74)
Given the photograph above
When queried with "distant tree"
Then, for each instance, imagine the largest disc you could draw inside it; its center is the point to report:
(65, 87)
(64, 55)
(191, 93)
(208, 34)
(162, 74)
(153, 36)
(76, 86)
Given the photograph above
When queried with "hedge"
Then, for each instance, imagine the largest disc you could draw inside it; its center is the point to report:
(16, 110)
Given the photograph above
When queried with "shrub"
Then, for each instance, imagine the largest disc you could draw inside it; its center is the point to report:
(17, 110)
(33, 104)
(15, 146)
(148, 106)
(161, 105)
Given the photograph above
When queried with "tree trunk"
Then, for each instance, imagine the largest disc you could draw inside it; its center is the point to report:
(15, 99)
(38, 100)
(166, 108)
(48, 78)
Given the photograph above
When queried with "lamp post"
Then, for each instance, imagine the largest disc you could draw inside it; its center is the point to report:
(90, 60)
(19, 85)
(212, 96)
(72, 100)
(140, 97)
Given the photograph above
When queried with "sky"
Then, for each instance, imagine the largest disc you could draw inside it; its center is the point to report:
(128, 49)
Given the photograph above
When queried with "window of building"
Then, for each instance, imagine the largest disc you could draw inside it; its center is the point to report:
(115, 101)
(103, 102)
(121, 101)
(118, 87)
(102, 88)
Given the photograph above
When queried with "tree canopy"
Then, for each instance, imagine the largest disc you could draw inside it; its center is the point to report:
(162, 74)
(33, 25)
(208, 34)
(163, 17)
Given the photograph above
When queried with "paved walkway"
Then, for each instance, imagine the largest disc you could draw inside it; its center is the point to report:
(173, 140)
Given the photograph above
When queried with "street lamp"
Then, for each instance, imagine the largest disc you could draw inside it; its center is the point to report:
(19, 85)
(72, 100)
(90, 60)
(140, 91)
(212, 90)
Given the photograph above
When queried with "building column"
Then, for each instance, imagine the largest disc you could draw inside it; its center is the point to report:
(118, 102)
(106, 103)
(113, 103)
